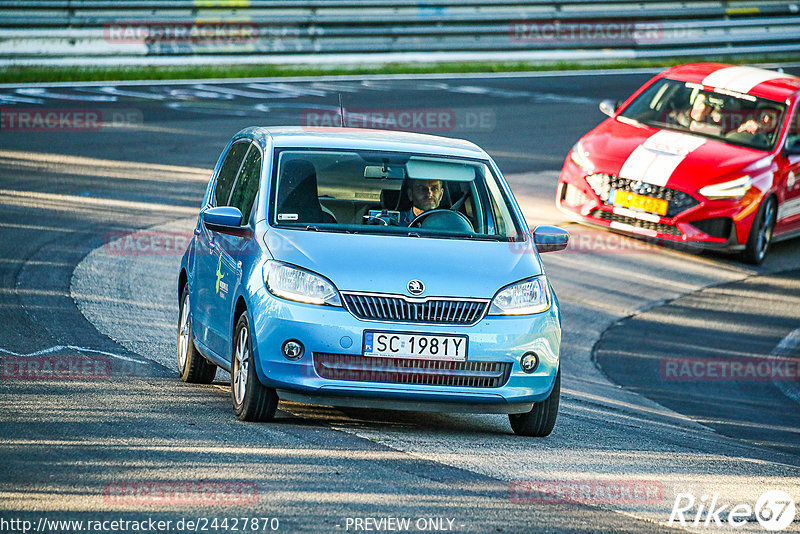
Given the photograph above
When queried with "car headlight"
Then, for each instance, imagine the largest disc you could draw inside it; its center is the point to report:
(580, 157)
(733, 189)
(522, 298)
(292, 283)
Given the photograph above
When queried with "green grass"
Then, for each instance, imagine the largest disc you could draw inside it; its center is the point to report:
(75, 74)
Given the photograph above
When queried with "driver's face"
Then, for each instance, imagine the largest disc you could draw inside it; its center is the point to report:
(426, 194)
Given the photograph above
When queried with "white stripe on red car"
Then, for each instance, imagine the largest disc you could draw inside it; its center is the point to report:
(741, 79)
(656, 159)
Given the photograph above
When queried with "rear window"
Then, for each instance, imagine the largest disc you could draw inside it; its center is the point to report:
(389, 193)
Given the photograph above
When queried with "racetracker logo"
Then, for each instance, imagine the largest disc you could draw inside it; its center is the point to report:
(147, 243)
(586, 491)
(588, 241)
(67, 120)
(134, 32)
(427, 120)
(181, 493)
(55, 367)
(774, 510)
(730, 369)
(551, 31)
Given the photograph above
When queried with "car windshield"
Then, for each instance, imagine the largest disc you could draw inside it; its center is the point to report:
(389, 193)
(734, 118)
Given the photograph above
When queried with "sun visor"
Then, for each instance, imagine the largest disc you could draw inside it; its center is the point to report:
(438, 169)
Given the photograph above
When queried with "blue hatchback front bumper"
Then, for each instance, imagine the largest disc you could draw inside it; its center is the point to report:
(333, 333)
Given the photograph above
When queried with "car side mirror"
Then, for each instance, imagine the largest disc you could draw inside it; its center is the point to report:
(609, 107)
(224, 219)
(550, 238)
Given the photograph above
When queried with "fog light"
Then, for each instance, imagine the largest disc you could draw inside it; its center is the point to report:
(292, 349)
(529, 362)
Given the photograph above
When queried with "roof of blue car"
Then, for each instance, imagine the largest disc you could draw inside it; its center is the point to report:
(364, 139)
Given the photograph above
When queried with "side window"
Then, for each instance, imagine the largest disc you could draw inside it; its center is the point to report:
(228, 172)
(244, 192)
(793, 139)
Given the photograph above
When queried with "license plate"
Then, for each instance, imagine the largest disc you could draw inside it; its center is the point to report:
(422, 346)
(641, 202)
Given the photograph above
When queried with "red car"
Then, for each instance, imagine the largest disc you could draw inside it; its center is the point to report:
(704, 154)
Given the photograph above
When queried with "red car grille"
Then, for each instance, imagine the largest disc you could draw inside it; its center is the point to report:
(411, 371)
(637, 223)
(678, 201)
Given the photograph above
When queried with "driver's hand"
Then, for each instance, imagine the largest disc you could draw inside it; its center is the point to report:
(750, 127)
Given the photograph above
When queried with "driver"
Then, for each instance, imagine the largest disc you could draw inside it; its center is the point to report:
(702, 117)
(425, 195)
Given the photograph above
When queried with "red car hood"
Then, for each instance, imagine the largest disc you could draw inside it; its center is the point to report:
(665, 157)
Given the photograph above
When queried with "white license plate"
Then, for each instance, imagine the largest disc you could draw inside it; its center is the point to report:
(424, 346)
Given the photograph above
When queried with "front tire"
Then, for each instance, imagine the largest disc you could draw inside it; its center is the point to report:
(539, 422)
(252, 401)
(761, 232)
(192, 367)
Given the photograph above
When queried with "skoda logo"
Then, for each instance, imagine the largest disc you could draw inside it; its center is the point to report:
(415, 287)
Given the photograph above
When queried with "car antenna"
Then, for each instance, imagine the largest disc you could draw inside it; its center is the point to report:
(341, 110)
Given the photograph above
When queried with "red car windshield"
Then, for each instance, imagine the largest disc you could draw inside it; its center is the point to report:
(730, 117)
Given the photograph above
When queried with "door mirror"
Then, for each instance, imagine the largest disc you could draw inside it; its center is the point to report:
(224, 219)
(550, 238)
(609, 107)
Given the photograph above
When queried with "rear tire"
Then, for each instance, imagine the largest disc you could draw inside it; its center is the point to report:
(192, 366)
(252, 401)
(539, 422)
(761, 232)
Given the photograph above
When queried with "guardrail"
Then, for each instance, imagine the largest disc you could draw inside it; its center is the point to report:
(284, 31)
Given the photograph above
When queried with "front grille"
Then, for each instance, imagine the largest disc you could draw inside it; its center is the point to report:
(412, 371)
(602, 184)
(638, 223)
(433, 310)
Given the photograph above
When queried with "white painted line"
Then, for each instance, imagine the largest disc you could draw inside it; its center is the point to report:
(789, 347)
(353, 78)
(44, 93)
(20, 99)
(57, 348)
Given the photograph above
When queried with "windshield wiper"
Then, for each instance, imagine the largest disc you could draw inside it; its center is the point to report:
(630, 121)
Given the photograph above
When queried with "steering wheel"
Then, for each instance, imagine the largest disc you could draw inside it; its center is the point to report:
(442, 219)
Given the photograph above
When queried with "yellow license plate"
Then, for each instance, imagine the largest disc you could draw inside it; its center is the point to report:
(640, 202)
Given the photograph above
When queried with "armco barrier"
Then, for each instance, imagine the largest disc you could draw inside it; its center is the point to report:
(272, 31)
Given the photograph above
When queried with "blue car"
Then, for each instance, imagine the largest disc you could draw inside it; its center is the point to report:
(364, 268)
